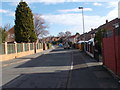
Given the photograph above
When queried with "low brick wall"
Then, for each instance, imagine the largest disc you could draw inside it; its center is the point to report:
(17, 55)
(15, 50)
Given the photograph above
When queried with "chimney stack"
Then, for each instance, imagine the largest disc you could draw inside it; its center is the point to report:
(92, 29)
(106, 21)
(21, 0)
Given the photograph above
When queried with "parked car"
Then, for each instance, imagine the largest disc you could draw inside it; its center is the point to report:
(60, 45)
(66, 46)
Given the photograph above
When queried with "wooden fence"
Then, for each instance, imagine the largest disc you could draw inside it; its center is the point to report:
(111, 50)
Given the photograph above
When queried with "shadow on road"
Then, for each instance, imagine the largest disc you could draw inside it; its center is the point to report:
(57, 57)
(56, 79)
(92, 77)
(83, 75)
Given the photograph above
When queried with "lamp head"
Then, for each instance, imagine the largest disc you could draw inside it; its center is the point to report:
(80, 7)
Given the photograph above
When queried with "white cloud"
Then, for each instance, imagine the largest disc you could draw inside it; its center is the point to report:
(112, 14)
(14, 3)
(112, 4)
(74, 10)
(11, 14)
(75, 20)
(3, 11)
(97, 4)
(59, 1)
(7, 12)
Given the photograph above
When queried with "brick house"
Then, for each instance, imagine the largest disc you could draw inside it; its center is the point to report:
(73, 38)
(111, 45)
(10, 35)
(108, 26)
(88, 35)
(50, 39)
(55, 38)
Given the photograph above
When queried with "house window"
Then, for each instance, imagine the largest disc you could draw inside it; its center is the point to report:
(117, 31)
(108, 33)
(13, 35)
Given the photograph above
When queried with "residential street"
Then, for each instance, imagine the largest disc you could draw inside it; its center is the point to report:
(53, 70)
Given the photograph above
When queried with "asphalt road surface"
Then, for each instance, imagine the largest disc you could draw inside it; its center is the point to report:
(58, 68)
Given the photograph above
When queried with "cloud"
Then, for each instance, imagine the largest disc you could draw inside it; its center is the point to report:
(59, 1)
(97, 4)
(74, 10)
(14, 3)
(3, 11)
(112, 14)
(112, 4)
(7, 12)
(114, 11)
(11, 14)
(75, 20)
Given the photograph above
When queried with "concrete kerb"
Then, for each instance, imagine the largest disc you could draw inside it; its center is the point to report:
(116, 77)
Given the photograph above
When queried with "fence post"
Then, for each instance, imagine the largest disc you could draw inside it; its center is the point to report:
(15, 47)
(34, 47)
(29, 46)
(6, 51)
(43, 46)
(23, 47)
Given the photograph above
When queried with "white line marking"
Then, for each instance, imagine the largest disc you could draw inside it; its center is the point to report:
(72, 62)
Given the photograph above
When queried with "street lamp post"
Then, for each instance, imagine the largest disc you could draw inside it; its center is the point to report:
(83, 25)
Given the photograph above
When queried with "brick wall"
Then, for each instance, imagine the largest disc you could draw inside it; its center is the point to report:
(12, 50)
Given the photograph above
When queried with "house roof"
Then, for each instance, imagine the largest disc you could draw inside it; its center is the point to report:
(11, 31)
(72, 36)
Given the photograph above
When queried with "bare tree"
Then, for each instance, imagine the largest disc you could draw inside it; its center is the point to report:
(67, 33)
(61, 34)
(7, 26)
(3, 32)
(40, 26)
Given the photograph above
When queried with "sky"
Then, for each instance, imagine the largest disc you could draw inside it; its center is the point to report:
(64, 15)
